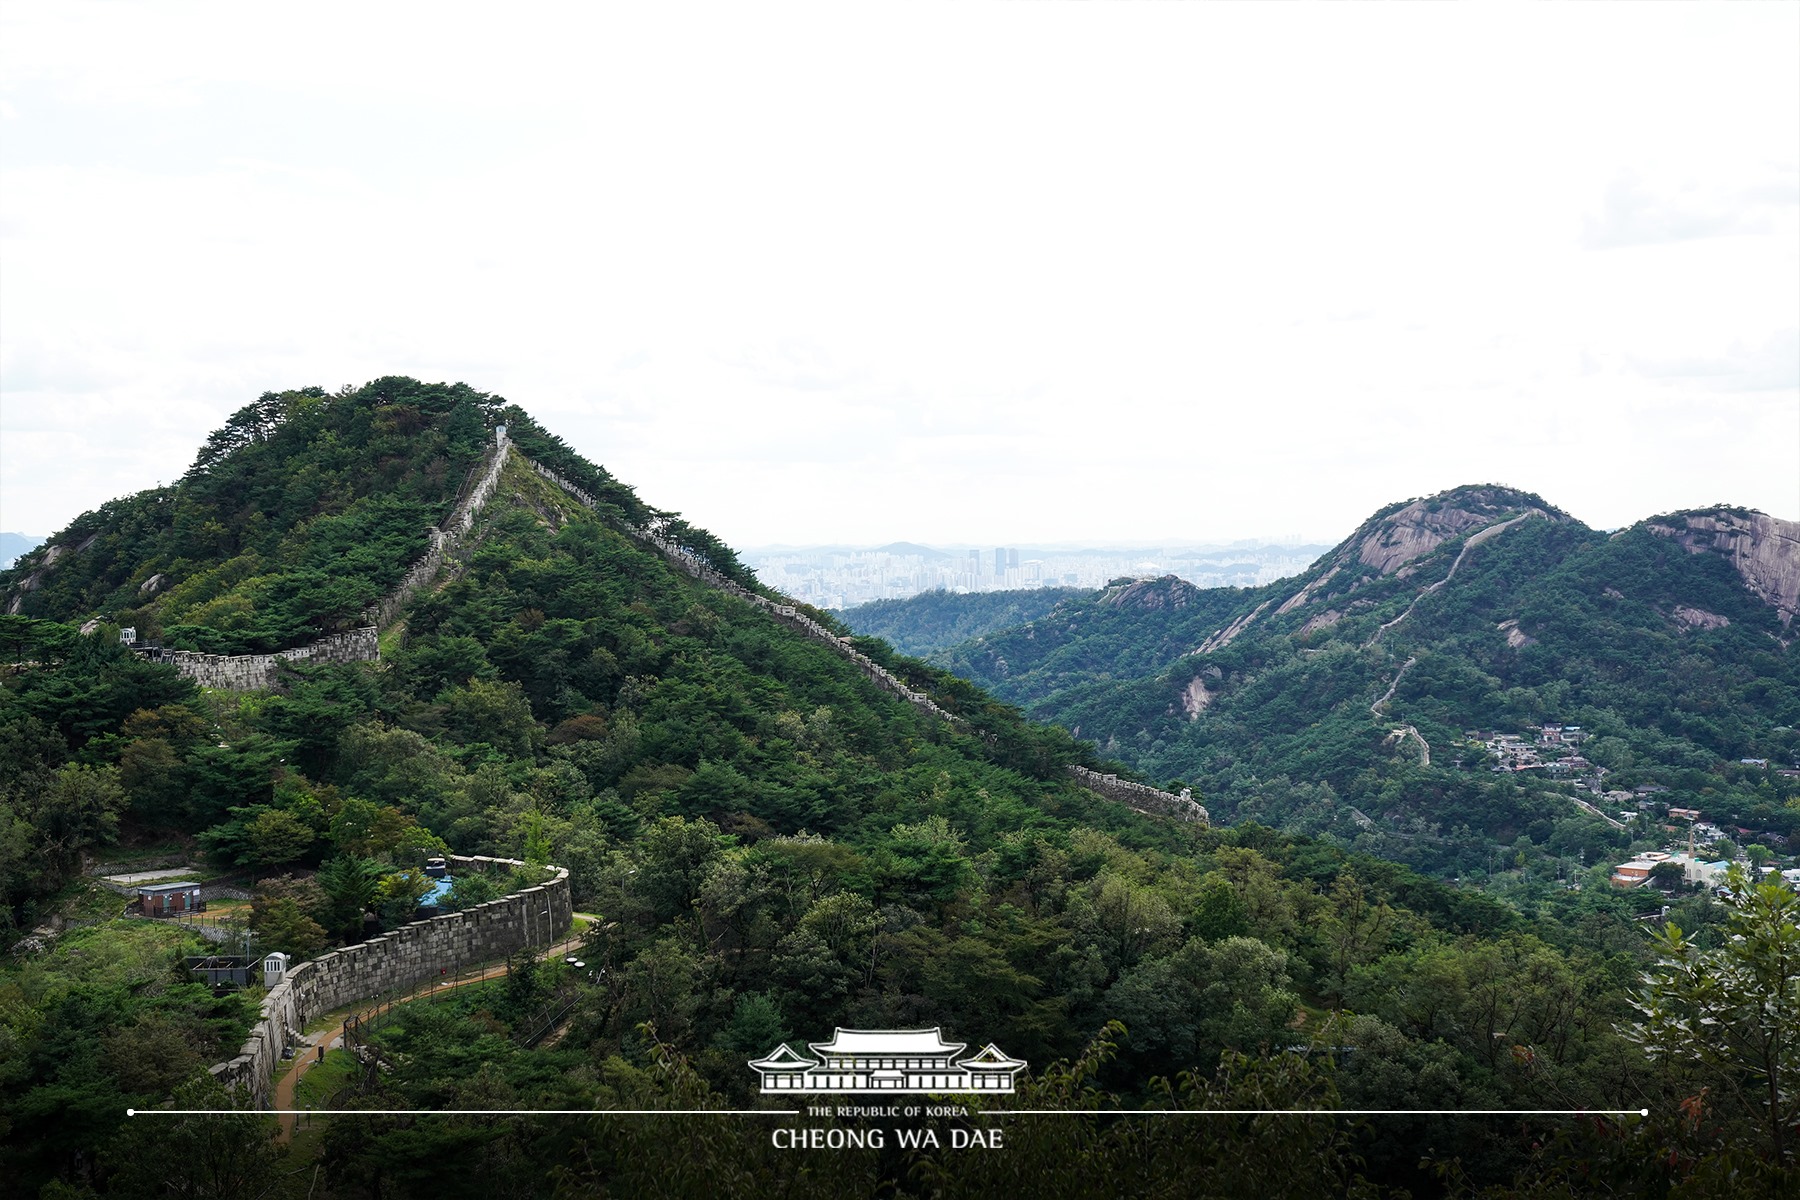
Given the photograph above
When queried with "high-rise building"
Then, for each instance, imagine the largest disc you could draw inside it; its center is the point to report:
(1000, 562)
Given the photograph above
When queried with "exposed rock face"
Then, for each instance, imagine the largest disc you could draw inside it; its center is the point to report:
(1699, 618)
(1305, 594)
(1424, 525)
(1411, 532)
(1515, 637)
(1223, 637)
(1195, 698)
(150, 586)
(1764, 549)
(35, 580)
(1324, 620)
(1170, 591)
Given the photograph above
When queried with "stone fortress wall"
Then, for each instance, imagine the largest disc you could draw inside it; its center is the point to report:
(445, 539)
(244, 672)
(400, 959)
(788, 614)
(1142, 797)
(250, 672)
(247, 672)
(1136, 796)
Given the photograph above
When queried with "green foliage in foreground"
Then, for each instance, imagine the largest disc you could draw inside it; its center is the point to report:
(106, 1020)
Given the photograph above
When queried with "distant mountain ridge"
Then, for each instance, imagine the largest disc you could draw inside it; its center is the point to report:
(1477, 609)
(14, 544)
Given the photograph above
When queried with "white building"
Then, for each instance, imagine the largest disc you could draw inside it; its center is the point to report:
(887, 1060)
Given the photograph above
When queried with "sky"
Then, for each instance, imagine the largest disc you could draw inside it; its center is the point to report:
(987, 274)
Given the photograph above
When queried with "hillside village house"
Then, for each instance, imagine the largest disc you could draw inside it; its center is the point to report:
(887, 1060)
(1636, 871)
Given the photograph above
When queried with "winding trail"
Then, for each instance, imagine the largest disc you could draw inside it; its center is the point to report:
(1408, 730)
(1474, 540)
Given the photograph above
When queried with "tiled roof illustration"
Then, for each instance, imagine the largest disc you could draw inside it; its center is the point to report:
(889, 1043)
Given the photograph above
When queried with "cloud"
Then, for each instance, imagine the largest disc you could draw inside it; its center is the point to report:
(1770, 365)
(1636, 213)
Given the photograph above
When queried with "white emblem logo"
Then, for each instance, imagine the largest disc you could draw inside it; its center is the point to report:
(887, 1060)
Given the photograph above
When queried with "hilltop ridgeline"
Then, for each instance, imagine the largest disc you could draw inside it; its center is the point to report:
(294, 424)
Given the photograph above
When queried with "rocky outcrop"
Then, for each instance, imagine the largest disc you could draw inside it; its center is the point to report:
(1225, 636)
(1515, 637)
(1699, 618)
(1418, 528)
(45, 564)
(1411, 532)
(1764, 549)
(1324, 620)
(1167, 592)
(1195, 698)
(1304, 595)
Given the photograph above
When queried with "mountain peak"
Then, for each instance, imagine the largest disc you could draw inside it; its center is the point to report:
(1167, 591)
(1402, 532)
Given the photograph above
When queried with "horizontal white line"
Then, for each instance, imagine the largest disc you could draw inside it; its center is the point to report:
(1316, 1112)
(463, 1112)
(992, 1112)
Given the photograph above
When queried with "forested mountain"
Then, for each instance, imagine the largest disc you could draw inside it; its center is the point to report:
(938, 620)
(1361, 698)
(776, 846)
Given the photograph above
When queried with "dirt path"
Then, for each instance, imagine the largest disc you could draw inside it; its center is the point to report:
(308, 1054)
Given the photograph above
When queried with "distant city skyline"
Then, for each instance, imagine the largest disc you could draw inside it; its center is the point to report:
(844, 577)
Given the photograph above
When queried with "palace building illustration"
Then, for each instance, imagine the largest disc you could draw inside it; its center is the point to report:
(887, 1060)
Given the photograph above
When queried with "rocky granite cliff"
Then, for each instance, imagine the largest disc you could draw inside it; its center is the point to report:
(1764, 550)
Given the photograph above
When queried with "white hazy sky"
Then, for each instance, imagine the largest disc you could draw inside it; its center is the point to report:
(977, 272)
